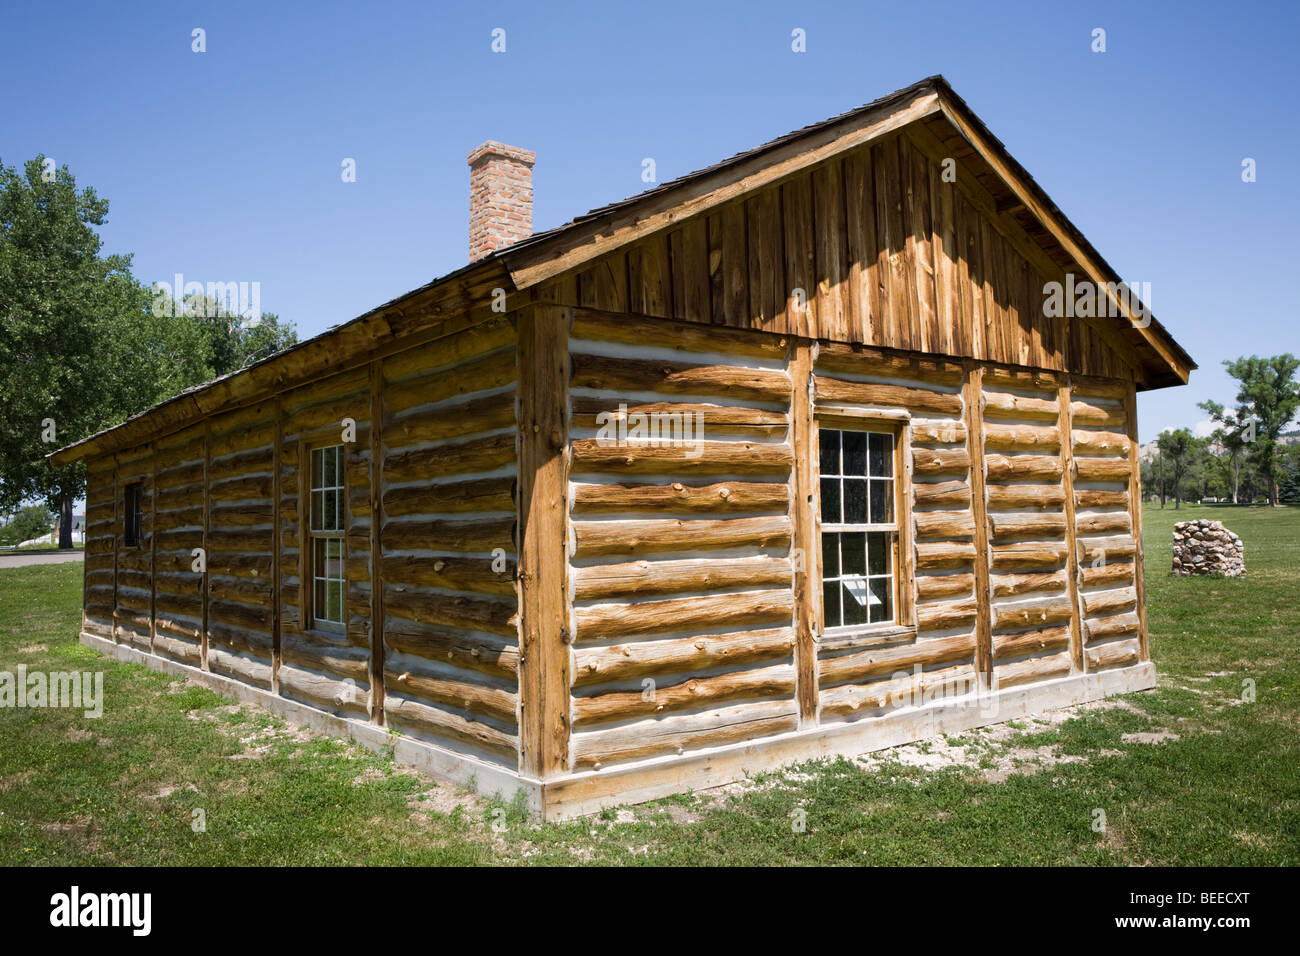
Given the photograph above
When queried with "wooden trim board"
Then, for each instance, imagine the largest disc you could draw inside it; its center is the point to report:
(973, 398)
(1065, 423)
(544, 636)
(803, 523)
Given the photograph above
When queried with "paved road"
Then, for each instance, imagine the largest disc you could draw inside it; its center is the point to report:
(18, 559)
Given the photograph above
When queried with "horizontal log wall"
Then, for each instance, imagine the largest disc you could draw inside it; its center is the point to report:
(1032, 597)
(100, 572)
(234, 486)
(1109, 552)
(451, 647)
(873, 246)
(326, 668)
(240, 543)
(869, 676)
(178, 523)
(680, 575)
(132, 610)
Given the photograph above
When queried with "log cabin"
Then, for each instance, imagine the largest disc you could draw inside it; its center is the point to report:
(783, 459)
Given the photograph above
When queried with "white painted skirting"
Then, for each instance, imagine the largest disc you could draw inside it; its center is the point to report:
(588, 791)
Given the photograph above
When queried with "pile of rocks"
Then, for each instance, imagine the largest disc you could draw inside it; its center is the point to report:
(1207, 547)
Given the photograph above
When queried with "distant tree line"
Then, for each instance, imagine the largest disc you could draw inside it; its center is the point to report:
(81, 349)
(1248, 457)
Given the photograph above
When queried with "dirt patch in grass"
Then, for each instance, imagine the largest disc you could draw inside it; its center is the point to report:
(77, 827)
(1153, 737)
(997, 751)
(15, 779)
(180, 686)
(443, 800)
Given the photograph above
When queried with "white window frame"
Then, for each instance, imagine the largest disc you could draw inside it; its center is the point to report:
(319, 536)
(894, 428)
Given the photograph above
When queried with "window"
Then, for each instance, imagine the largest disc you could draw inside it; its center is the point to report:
(859, 527)
(133, 515)
(328, 547)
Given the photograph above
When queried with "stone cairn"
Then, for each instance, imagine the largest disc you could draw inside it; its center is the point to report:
(1207, 547)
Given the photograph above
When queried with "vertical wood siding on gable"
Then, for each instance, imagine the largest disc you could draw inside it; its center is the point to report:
(886, 253)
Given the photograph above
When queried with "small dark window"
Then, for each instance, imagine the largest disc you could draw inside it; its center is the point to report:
(134, 517)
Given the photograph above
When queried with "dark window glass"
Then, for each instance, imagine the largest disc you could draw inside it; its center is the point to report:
(881, 600)
(830, 452)
(853, 552)
(855, 500)
(831, 603)
(878, 552)
(133, 515)
(882, 501)
(882, 454)
(855, 452)
(830, 501)
(830, 555)
(855, 601)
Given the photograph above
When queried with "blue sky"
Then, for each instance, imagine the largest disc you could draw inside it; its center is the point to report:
(225, 165)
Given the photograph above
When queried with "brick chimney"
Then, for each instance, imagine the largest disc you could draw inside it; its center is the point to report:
(500, 197)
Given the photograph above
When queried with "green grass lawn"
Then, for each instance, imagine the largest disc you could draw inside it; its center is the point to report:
(1190, 773)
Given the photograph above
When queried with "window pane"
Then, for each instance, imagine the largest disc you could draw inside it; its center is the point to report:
(878, 550)
(881, 600)
(317, 460)
(882, 501)
(855, 453)
(831, 500)
(831, 603)
(853, 553)
(855, 600)
(336, 601)
(855, 501)
(829, 441)
(882, 465)
(830, 555)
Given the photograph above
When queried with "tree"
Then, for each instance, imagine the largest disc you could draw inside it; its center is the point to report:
(1267, 401)
(1160, 469)
(1231, 437)
(1149, 481)
(80, 349)
(1289, 488)
(234, 342)
(1177, 445)
(30, 522)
